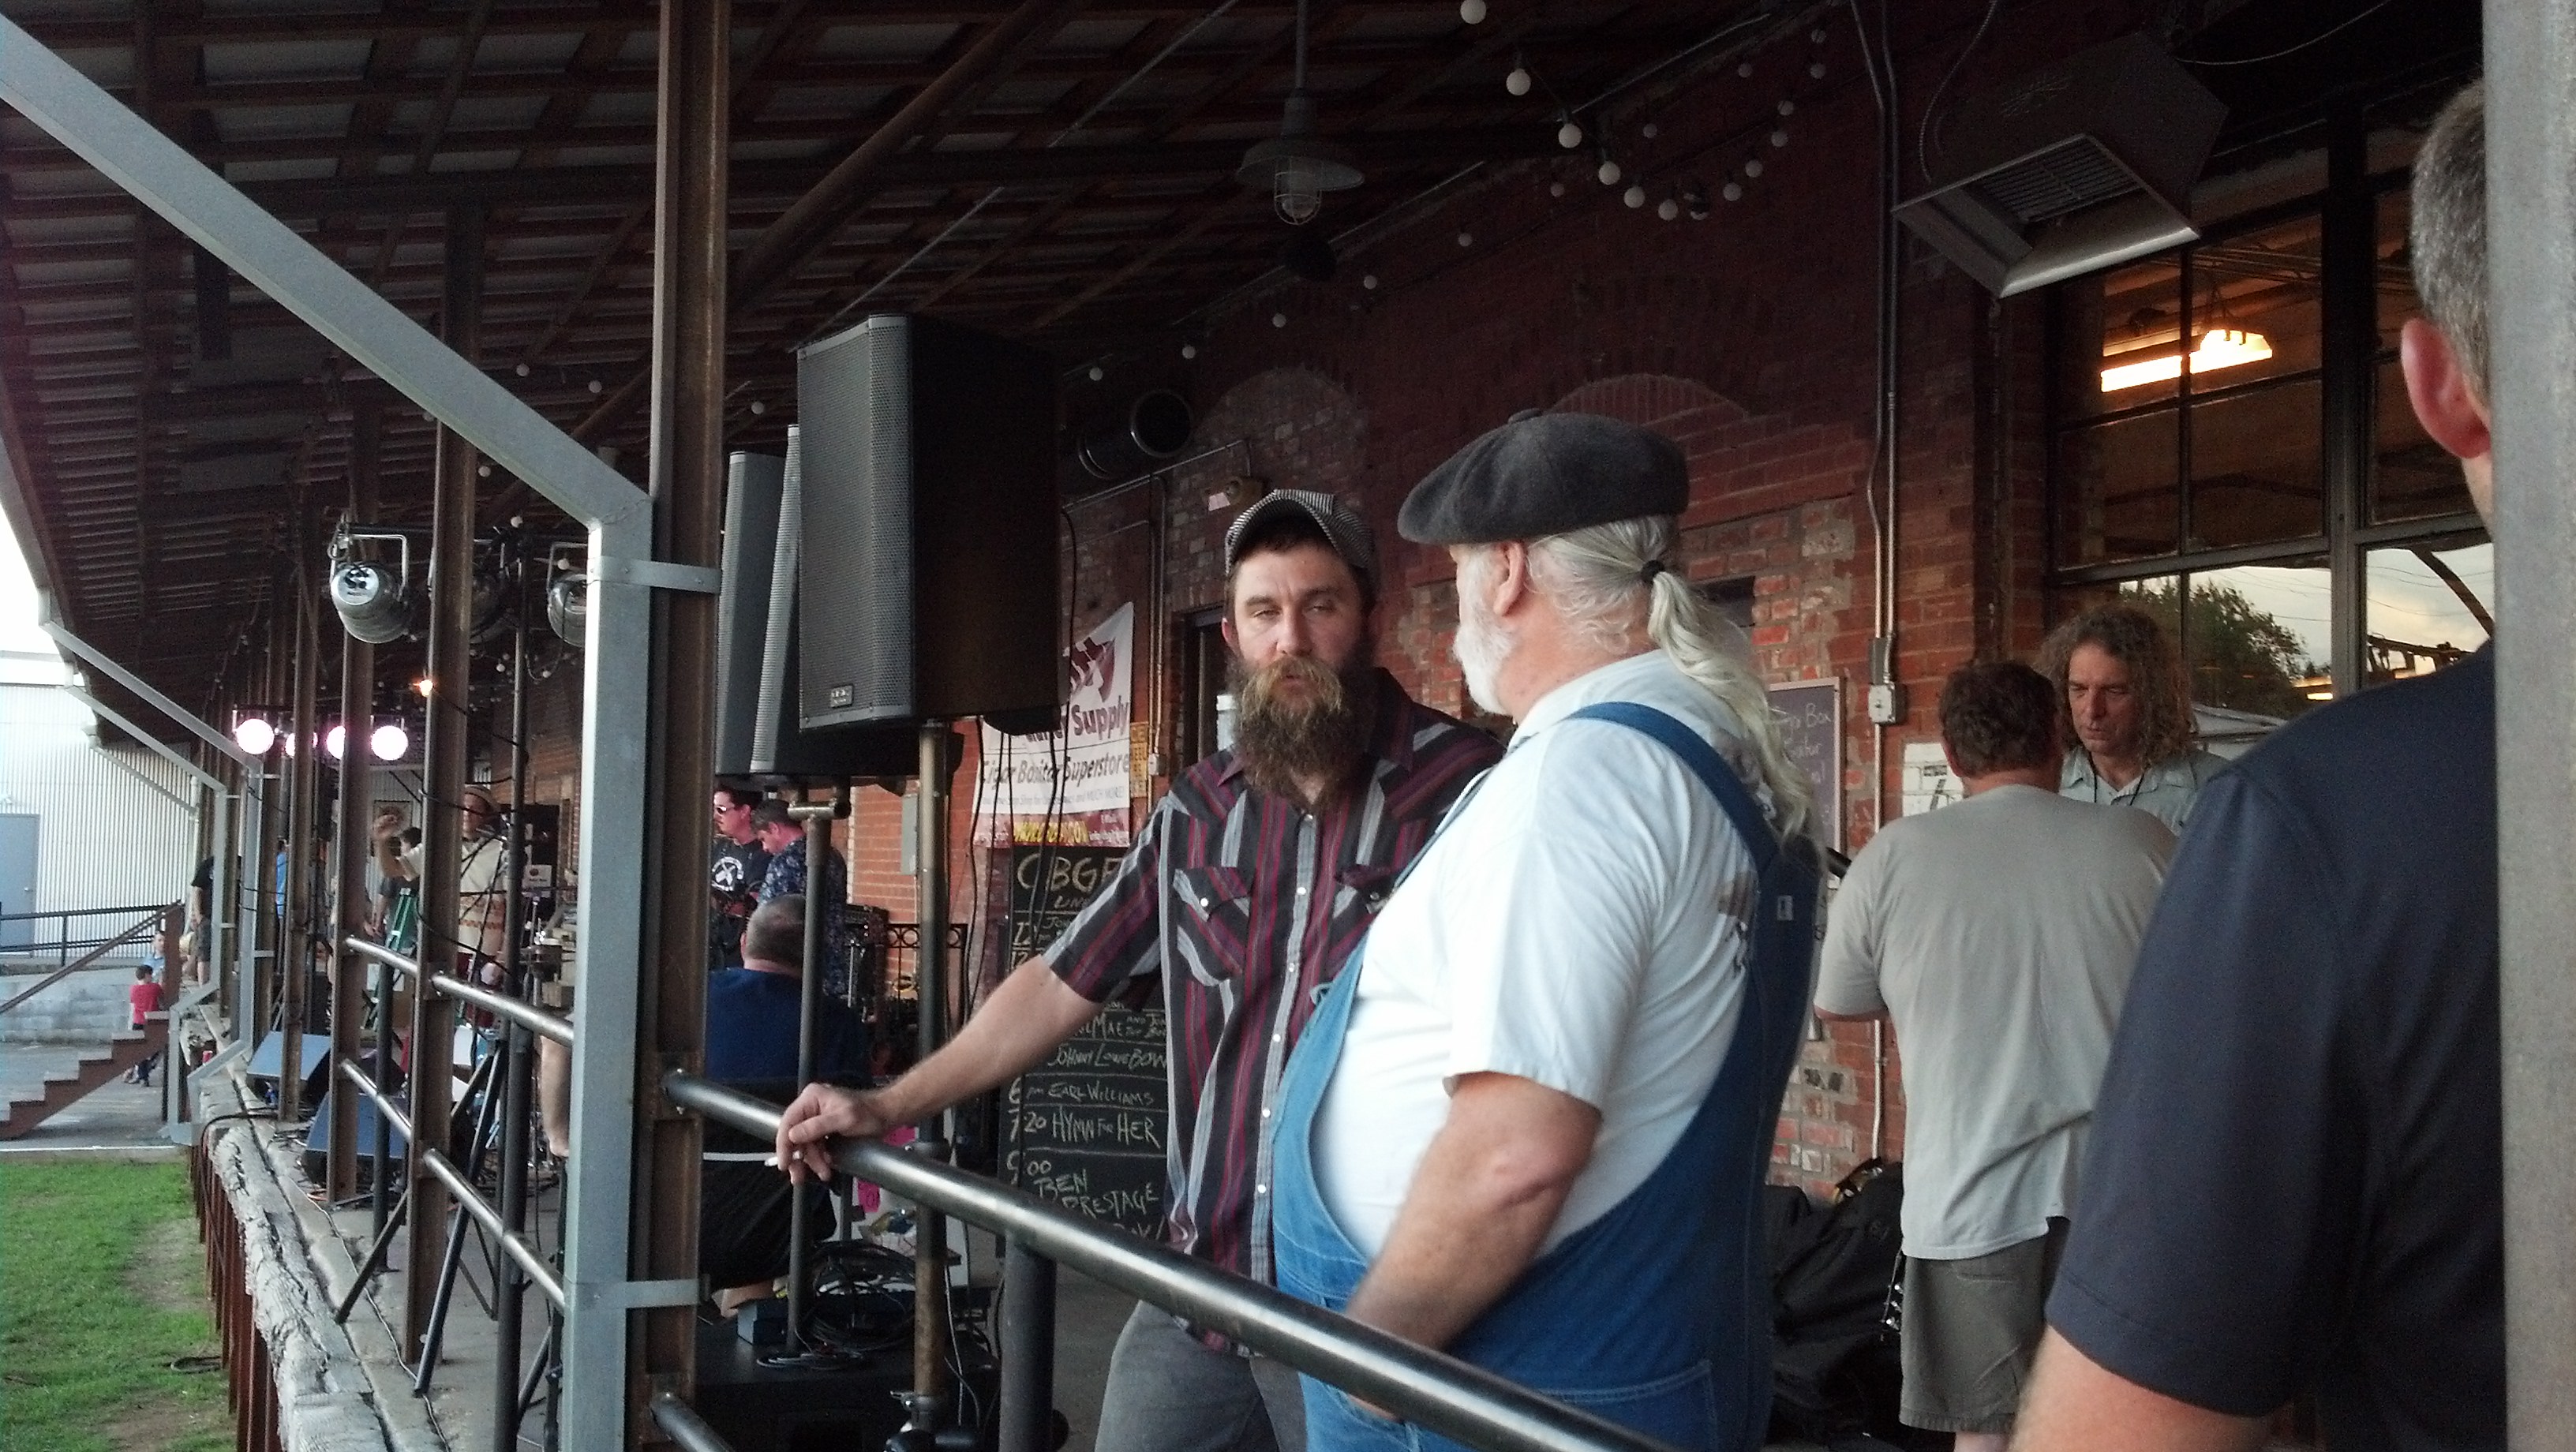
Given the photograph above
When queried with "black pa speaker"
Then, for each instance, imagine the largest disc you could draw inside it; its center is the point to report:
(928, 512)
(759, 734)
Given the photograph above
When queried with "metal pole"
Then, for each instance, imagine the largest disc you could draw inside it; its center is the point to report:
(355, 842)
(809, 994)
(518, 1045)
(295, 934)
(685, 464)
(930, 981)
(451, 601)
(1028, 1349)
(264, 849)
(2531, 237)
(2349, 233)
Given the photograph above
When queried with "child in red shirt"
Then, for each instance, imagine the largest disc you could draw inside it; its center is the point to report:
(143, 999)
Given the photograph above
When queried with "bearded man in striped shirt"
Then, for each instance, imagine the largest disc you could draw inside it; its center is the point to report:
(1249, 888)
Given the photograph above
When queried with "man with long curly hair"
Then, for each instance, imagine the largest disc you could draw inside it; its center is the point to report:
(2128, 716)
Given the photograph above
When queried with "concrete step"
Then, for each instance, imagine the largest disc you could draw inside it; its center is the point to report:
(19, 1116)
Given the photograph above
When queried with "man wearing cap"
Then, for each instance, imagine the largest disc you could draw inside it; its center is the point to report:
(1531, 1123)
(1249, 887)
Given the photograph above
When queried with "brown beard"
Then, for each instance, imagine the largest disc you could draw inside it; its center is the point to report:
(1284, 741)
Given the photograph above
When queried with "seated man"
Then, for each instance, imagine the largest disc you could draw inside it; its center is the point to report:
(753, 1010)
(752, 1017)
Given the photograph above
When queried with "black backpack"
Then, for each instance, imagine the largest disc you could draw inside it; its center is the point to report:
(1834, 1369)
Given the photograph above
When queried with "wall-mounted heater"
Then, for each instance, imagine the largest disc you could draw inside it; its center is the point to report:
(2070, 169)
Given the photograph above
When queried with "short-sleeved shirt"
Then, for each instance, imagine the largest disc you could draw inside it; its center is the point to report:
(2296, 1177)
(735, 871)
(1998, 933)
(2164, 791)
(144, 998)
(786, 877)
(752, 1023)
(1246, 906)
(1580, 925)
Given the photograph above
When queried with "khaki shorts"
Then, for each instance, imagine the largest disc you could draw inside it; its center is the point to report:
(1971, 1328)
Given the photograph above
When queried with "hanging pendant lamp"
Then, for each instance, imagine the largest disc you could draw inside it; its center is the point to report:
(1298, 166)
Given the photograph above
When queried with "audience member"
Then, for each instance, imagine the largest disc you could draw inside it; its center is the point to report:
(1997, 935)
(783, 838)
(1531, 1128)
(753, 1011)
(2128, 714)
(142, 1001)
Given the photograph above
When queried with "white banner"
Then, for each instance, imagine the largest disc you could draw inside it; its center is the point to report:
(1018, 786)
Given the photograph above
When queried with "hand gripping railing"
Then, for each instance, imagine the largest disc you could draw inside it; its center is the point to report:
(1439, 1392)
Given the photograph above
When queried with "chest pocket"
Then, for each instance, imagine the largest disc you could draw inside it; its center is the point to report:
(1362, 885)
(1212, 916)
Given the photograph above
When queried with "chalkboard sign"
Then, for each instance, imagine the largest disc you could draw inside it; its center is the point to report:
(1049, 885)
(1811, 729)
(1086, 1128)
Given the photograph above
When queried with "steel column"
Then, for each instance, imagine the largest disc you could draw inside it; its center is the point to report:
(451, 605)
(355, 842)
(295, 933)
(1028, 1349)
(2348, 235)
(930, 986)
(2531, 239)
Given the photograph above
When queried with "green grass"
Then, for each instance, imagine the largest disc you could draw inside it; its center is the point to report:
(85, 1359)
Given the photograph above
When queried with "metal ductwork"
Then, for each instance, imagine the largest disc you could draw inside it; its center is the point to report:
(2079, 166)
(1156, 427)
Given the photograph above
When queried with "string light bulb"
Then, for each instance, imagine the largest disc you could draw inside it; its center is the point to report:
(1780, 137)
(1518, 80)
(1369, 280)
(758, 407)
(1472, 11)
(1095, 373)
(1668, 209)
(1608, 172)
(1189, 350)
(1634, 196)
(1732, 191)
(1569, 135)
(1278, 320)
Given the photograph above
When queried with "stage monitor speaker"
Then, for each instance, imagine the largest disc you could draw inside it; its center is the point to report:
(930, 587)
(758, 734)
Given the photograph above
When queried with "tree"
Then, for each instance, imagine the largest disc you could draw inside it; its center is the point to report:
(2236, 655)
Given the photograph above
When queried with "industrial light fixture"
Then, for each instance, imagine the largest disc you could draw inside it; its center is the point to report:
(335, 742)
(568, 593)
(389, 742)
(2211, 351)
(374, 598)
(1298, 166)
(254, 734)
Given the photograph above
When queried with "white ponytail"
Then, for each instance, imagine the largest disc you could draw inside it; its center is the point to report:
(1597, 577)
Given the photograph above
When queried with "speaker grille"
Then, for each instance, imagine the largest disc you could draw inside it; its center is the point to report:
(854, 412)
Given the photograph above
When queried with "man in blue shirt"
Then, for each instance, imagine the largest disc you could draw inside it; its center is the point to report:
(752, 1011)
(2296, 1177)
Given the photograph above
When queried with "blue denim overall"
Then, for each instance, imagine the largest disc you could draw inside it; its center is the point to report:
(1657, 1315)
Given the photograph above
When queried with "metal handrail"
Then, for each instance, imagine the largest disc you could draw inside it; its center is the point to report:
(540, 1271)
(689, 1431)
(141, 907)
(92, 956)
(517, 1010)
(1439, 1392)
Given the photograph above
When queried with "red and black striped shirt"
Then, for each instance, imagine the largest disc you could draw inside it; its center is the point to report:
(1247, 906)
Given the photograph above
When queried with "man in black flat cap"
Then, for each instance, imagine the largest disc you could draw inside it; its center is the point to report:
(1245, 893)
(1531, 1123)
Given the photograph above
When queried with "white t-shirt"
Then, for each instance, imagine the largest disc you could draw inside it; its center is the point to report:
(1579, 923)
(1998, 933)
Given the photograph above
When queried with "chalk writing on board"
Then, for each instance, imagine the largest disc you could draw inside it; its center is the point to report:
(1810, 714)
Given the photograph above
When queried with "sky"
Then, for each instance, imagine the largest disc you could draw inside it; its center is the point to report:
(18, 628)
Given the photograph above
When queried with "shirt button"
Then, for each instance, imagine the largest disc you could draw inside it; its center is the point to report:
(1261, 1189)
(1265, 1114)
(1301, 892)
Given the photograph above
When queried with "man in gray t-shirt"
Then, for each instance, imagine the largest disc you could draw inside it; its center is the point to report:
(1997, 935)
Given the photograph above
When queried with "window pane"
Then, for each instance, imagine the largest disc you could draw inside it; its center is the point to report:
(2117, 488)
(2421, 612)
(2396, 277)
(2123, 318)
(2257, 467)
(2411, 477)
(2256, 644)
(2255, 306)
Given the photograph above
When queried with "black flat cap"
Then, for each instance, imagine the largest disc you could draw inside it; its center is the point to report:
(1544, 474)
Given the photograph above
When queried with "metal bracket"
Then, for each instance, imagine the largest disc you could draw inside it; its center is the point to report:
(658, 575)
(635, 1295)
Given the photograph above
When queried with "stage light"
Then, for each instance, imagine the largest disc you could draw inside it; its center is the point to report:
(390, 742)
(254, 735)
(336, 742)
(374, 597)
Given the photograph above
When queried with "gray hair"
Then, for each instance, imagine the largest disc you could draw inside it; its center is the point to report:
(2448, 233)
(1596, 578)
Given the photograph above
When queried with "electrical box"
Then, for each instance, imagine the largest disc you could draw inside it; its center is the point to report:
(1886, 703)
